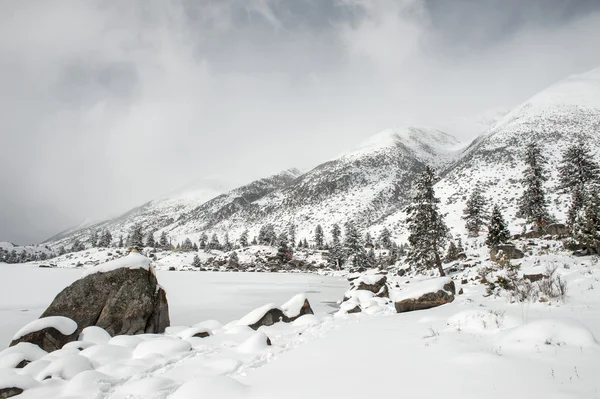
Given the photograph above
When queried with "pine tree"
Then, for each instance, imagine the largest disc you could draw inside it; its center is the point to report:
(163, 242)
(452, 253)
(336, 251)
(385, 238)
(227, 246)
(305, 243)
(150, 240)
(319, 237)
(203, 241)
(370, 259)
(254, 241)
(353, 246)
(497, 231)
(426, 227)
(579, 175)
(136, 237)
(474, 213)
(267, 235)
(105, 239)
(586, 226)
(187, 245)
(233, 259)
(214, 242)
(459, 247)
(94, 238)
(195, 246)
(121, 241)
(61, 250)
(533, 205)
(283, 249)
(244, 239)
(292, 234)
(336, 233)
(368, 238)
(77, 246)
(196, 261)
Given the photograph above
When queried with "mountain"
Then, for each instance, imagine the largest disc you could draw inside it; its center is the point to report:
(364, 185)
(557, 117)
(152, 215)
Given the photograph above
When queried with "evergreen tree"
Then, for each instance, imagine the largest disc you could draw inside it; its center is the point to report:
(136, 237)
(254, 241)
(196, 261)
(233, 259)
(353, 246)
(94, 238)
(195, 247)
(292, 234)
(214, 242)
(121, 241)
(459, 247)
(267, 235)
(203, 241)
(305, 243)
(187, 245)
(579, 175)
(586, 226)
(77, 246)
(336, 254)
(319, 237)
(227, 246)
(452, 253)
(244, 239)
(150, 240)
(474, 213)
(368, 238)
(61, 250)
(426, 227)
(385, 238)
(336, 233)
(532, 204)
(163, 241)
(283, 249)
(370, 259)
(43, 256)
(105, 239)
(497, 231)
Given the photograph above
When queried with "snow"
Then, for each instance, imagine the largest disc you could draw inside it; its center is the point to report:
(256, 314)
(94, 334)
(134, 260)
(292, 307)
(11, 379)
(63, 324)
(414, 291)
(65, 367)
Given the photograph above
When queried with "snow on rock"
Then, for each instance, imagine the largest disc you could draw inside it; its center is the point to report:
(21, 352)
(103, 354)
(212, 325)
(165, 346)
(254, 316)
(9, 378)
(258, 342)
(134, 260)
(65, 367)
(297, 306)
(424, 295)
(538, 334)
(213, 387)
(88, 384)
(199, 332)
(128, 341)
(64, 325)
(94, 334)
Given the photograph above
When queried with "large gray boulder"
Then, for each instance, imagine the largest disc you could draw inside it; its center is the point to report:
(120, 300)
(507, 251)
(438, 296)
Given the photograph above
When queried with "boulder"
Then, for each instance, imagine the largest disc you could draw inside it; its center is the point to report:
(10, 392)
(440, 296)
(374, 283)
(268, 315)
(534, 277)
(120, 300)
(508, 251)
(557, 229)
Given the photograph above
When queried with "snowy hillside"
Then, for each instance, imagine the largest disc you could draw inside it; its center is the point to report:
(152, 215)
(555, 118)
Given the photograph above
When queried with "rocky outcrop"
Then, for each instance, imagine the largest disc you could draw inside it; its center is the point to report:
(428, 300)
(121, 301)
(10, 392)
(557, 229)
(506, 251)
(377, 285)
(268, 315)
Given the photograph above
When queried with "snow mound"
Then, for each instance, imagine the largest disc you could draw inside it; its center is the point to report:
(547, 332)
(293, 307)
(165, 346)
(94, 334)
(103, 354)
(63, 324)
(134, 260)
(481, 322)
(128, 341)
(257, 314)
(146, 388)
(65, 367)
(213, 387)
(21, 351)
(11, 379)
(256, 343)
(191, 331)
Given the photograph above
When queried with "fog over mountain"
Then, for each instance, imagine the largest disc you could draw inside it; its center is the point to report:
(108, 105)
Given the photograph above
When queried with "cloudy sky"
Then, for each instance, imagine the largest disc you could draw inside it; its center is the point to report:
(108, 104)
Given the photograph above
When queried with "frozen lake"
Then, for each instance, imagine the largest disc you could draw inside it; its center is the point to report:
(26, 291)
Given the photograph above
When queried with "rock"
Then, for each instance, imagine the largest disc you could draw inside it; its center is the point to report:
(462, 256)
(557, 229)
(428, 300)
(289, 312)
(534, 277)
(464, 281)
(533, 234)
(355, 309)
(460, 292)
(508, 251)
(121, 301)
(376, 286)
(270, 317)
(10, 392)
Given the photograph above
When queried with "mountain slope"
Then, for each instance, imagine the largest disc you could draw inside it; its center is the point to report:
(555, 118)
(364, 185)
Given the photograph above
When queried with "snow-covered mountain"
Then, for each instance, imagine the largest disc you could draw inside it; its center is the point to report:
(371, 184)
(151, 215)
(555, 118)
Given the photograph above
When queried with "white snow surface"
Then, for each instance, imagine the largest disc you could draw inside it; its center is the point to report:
(134, 260)
(63, 324)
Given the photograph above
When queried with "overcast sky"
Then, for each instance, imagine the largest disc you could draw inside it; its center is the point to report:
(106, 105)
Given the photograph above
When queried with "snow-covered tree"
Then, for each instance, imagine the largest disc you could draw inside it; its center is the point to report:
(94, 238)
(427, 230)
(292, 234)
(203, 241)
(336, 233)
(136, 237)
(105, 239)
(267, 235)
(77, 246)
(196, 261)
(474, 213)
(244, 239)
(187, 245)
(227, 246)
(533, 205)
(233, 258)
(163, 241)
(62, 250)
(368, 238)
(319, 237)
(452, 253)
(284, 252)
(497, 230)
(385, 238)
(120, 244)
(214, 242)
(586, 226)
(579, 175)
(353, 246)
(150, 240)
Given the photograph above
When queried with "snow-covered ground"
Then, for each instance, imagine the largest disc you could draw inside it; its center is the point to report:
(478, 346)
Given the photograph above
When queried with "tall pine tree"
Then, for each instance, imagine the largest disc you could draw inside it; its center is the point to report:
(497, 230)
(427, 231)
(319, 237)
(136, 237)
(353, 246)
(586, 226)
(385, 238)
(244, 239)
(533, 206)
(474, 213)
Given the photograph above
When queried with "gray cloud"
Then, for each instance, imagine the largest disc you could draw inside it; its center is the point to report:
(106, 105)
